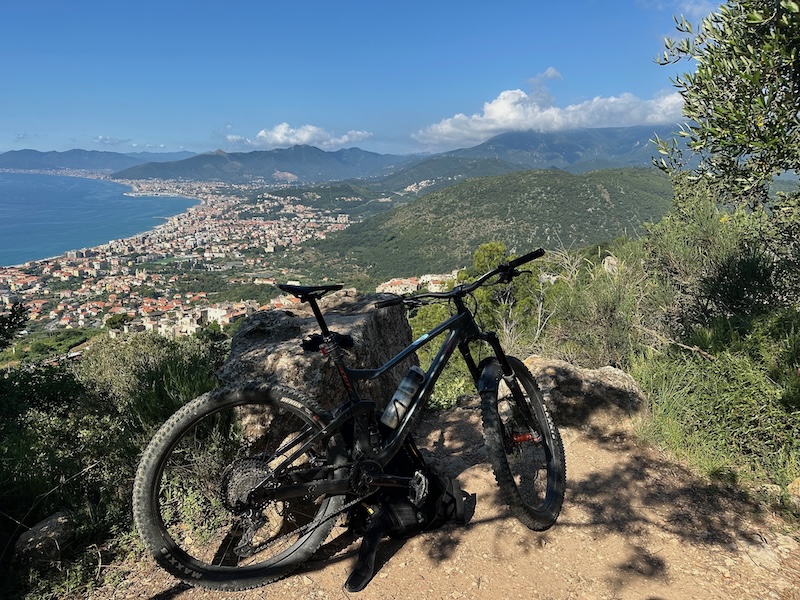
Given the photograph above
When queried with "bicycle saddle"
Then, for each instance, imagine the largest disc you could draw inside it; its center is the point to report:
(306, 292)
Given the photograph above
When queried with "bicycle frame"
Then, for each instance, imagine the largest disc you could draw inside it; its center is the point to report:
(462, 330)
(367, 438)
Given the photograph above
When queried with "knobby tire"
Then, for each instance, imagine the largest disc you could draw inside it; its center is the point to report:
(531, 473)
(194, 478)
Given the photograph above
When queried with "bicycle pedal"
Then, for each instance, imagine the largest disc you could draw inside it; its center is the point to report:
(418, 489)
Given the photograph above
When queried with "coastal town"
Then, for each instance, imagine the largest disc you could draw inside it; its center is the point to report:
(232, 228)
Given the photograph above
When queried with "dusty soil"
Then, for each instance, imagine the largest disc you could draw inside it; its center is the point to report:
(635, 524)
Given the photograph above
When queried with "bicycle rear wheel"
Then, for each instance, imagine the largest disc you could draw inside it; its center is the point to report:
(191, 496)
(525, 450)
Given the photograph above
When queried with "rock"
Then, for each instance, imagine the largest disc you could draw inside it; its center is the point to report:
(267, 346)
(46, 541)
(794, 496)
(610, 265)
(574, 393)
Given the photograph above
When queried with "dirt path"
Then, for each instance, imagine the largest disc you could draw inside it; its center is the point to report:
(634, 525)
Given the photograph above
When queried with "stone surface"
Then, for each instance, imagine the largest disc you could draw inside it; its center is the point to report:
(574, 394)
(46, 541)
(267, 346)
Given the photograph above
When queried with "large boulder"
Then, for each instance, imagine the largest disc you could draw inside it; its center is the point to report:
(267, 347)
(577, 396)
(47, 542)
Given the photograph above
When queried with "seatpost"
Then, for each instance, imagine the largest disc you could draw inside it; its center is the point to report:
(318, 314)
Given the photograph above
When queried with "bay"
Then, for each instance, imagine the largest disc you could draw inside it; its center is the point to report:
(42, 216)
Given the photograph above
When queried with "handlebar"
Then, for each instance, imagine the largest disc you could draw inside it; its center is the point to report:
(518, 262)
(506, 273)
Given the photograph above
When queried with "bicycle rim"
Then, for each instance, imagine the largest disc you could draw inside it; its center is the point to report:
(527, 452)
(192, 501)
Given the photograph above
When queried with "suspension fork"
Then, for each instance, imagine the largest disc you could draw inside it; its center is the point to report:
(516, 392)
(491, 338)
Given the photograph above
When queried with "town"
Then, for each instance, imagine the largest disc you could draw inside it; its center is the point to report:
(233, 227)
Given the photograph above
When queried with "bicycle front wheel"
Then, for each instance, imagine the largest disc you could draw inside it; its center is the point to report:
(525, 449)
(192, 499)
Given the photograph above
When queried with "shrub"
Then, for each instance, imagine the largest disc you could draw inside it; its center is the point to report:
(72, 434)
(600, 306)
(726, 416)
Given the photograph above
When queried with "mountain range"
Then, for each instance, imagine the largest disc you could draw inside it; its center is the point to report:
(305, 164)
(88, 160)
(576, 151)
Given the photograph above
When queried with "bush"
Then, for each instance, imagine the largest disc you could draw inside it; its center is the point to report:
(726, 416)
(601, 306)
(71, 434)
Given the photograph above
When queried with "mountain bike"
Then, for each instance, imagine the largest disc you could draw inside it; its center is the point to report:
(241, 486)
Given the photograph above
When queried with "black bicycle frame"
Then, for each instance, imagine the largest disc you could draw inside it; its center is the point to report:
(462, 330)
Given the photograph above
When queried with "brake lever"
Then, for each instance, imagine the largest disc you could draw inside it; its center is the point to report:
(506, 276)
(509, 274)
(412, 303)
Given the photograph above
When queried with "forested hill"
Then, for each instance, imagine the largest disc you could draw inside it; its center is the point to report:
(439, 231)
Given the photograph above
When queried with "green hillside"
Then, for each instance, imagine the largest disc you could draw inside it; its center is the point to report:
(439, 231)
(441, 171)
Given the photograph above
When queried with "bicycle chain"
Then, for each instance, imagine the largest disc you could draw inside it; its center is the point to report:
(317, 522)
(301, 530)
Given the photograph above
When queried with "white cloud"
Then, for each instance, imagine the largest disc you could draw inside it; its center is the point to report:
(514, 110)
(692, 9)
(157, 146)
(283, 135)
(109, 141)
(697, 9)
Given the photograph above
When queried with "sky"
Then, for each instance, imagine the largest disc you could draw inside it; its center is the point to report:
(385, 76)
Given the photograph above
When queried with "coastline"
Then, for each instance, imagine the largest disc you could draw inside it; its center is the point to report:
(150, 189)
(224, 227)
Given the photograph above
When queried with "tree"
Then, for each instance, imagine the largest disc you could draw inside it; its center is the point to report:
(12, 322)
(211, 333)
(118, 320)
(742, 101)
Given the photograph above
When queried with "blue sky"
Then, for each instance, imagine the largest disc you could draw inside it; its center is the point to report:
(390, 77)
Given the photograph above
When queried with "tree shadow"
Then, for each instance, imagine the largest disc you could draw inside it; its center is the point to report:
(643, 494)
(173, 592)
(644, 491)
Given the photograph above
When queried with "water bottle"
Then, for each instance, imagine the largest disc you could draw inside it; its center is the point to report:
(396, 409)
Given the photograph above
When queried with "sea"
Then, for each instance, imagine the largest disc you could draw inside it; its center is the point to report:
(43, 216)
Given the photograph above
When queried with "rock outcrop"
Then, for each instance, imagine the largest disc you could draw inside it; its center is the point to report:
(267, 347)
(47, 542)
(574, 394)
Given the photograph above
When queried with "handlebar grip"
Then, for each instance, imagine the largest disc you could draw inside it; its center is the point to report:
(390, 302)
(526, 258)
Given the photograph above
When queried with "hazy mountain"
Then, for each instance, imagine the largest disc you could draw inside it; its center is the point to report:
(146, 157)
(576, 151)
(89, 160)
(298, 163)
(438, 171)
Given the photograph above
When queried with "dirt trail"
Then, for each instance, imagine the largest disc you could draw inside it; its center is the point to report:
(634, 525)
